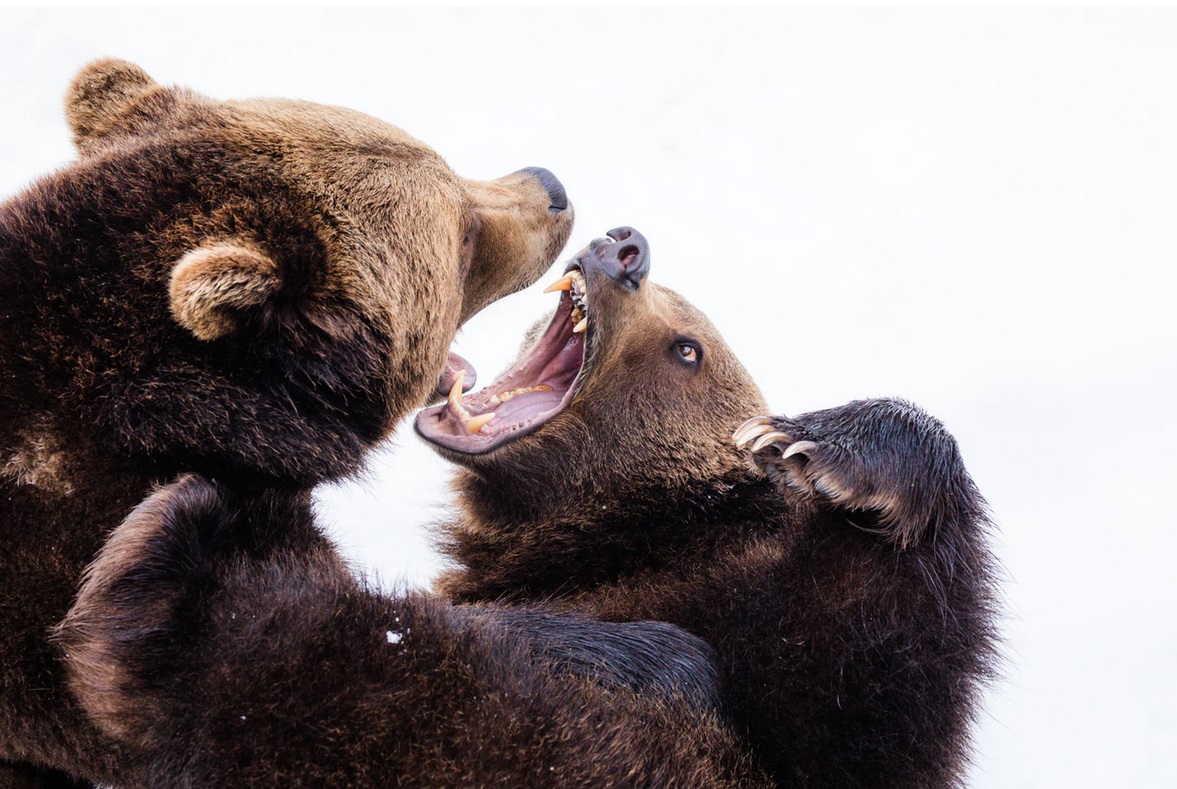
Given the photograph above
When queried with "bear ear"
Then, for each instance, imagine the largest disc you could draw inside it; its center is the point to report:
(101, 93)
(213, 289)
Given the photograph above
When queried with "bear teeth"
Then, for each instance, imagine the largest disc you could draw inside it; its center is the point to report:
(475, 424)
(573, 282)
(455, 396)
(579, 301)
(499, 399)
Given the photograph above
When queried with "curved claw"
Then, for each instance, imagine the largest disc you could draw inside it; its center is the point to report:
(800, 448)
(770, 438)
(757, 425)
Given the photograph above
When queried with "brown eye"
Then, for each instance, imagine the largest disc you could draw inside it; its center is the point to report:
(688, 352)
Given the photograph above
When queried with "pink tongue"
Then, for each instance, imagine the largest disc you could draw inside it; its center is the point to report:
(453, 365)
(563, 368)
(558, 373)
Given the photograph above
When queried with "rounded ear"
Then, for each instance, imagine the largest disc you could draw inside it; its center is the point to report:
(102, 92)
(212, 289)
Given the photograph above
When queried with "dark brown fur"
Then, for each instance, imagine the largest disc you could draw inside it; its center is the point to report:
(846, 589)
(258, 290)
(221, 637)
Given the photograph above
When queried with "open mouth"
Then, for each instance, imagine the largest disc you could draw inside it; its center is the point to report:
(526, 397)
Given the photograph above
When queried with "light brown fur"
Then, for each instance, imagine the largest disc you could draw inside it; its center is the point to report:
(398, 214)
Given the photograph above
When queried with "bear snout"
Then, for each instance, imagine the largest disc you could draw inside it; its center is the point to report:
(624, 256)
(551, 184)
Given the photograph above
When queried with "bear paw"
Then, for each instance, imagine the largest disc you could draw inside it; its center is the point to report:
(780, 449)
(885, 459)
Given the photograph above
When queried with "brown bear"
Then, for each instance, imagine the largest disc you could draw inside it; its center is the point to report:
(835, 562)
(258, 290)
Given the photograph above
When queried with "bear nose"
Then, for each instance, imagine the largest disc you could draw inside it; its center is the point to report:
(624, 256)
(551, 184)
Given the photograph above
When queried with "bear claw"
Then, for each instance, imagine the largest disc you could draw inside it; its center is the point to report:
(885, 460)
(788, 465)
(756, 426)
(775, 437)
(798, 448)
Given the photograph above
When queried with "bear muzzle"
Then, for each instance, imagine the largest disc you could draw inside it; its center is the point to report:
(623, 256)
(556, 195)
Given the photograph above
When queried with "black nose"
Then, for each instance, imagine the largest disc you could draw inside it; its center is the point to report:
(551, 184)
(624, 256)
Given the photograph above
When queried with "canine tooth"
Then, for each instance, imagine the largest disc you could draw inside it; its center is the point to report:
(564, 283)
(578, 328)
(455, 396)
(476, 423)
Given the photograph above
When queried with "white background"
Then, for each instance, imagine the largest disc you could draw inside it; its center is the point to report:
(973, 210)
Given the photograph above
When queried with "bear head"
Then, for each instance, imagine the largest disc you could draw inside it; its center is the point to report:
(257, 288)
(627, 398)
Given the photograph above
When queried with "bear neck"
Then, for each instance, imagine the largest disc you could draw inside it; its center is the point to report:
(509, 549)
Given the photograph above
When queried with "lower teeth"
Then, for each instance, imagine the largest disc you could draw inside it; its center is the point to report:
(499, 399)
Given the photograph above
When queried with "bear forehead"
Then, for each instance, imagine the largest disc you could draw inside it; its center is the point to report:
(665, 311)
(319, 125)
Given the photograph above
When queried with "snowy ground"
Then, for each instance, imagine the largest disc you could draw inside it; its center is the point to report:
(974, 210)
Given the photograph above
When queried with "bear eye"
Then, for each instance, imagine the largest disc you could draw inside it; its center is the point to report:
(688, 352)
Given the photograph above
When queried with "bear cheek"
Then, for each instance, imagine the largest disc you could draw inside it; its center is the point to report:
(518, 237)
(504, 261)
